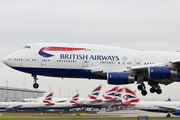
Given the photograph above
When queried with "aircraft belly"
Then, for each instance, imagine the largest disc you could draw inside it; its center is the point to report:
(56, 72)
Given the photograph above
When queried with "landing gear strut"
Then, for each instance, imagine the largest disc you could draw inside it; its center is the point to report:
(35, 85)
(142, 87)
(155, 88)
(168, 115)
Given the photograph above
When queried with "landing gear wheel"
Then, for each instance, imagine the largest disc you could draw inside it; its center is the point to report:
(140, 87)
(144, 92)
(35, 85)
(168, 115)
(152, 90)
(159, 91)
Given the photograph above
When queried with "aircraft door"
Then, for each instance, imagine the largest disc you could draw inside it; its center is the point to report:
(43, 61)
(84, 102)
(85, 63)
(69, 49)
(137, 61)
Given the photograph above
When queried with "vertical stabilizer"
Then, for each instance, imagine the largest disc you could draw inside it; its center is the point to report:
(130, 97)
(75, 99)
(110, 94)
(48, 99)
(95, 93)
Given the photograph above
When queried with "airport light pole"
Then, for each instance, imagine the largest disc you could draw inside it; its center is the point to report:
(68, 92)
(60, 92)
(49, 89)
(24, 90)
(6, 90)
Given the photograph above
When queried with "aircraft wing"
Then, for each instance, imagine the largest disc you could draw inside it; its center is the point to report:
(15, 106)
(141, 71)
(113, 100)
(60, 101)
(169, 108)
(95, 101)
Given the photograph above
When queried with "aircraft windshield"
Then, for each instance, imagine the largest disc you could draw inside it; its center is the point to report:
(27, 47)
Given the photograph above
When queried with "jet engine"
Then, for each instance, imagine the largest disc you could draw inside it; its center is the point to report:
(119, 78)
(177, 112)
(9, 109)
(161, 73)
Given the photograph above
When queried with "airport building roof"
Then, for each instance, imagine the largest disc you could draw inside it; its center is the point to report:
(21, 89)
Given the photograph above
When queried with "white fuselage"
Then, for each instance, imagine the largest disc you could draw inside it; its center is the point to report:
(23, 105)
(62, 103)
(79, 60)
(155, 106)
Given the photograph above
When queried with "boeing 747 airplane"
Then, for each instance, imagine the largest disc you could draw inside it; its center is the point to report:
(116, 65)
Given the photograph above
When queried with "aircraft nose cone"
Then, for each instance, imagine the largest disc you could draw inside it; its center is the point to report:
(5, 61)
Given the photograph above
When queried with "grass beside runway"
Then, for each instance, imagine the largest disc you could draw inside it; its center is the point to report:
(56, 116)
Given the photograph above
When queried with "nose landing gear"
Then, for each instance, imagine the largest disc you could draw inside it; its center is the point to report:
(35, 85)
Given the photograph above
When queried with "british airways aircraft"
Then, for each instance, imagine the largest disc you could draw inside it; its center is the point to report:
(116, 65)
(151, 106)
(10, 106)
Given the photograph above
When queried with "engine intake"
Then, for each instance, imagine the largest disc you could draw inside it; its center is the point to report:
(119, 78)
(161, 73)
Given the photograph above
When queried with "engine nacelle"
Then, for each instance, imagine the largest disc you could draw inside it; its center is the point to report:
(177, 112)
(119, 78)
(161, 73)
(9, 109)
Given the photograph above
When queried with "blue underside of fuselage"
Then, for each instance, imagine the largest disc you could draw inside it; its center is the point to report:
(155, 110)
(88, 106)
(68, 73)
(56, 72)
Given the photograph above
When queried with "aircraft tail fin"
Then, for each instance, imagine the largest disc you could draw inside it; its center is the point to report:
(119, 94)
(75, 99)
(95, 93)
(110, 94)
(130, 97)
(48, 99)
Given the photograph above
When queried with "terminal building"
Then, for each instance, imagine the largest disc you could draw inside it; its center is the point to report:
(18, 94)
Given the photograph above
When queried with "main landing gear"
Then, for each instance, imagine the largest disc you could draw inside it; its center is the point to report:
(35, 85)
(142, 87)
(168, 115)
(154, 88)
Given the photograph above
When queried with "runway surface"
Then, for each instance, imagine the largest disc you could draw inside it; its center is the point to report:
(134, 113)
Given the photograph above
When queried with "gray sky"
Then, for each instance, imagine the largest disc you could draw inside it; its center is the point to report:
(149, 25)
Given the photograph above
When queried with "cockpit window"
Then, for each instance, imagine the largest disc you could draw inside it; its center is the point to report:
(27, 47)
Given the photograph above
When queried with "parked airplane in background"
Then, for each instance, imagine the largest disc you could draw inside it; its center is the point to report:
(151, 106)
(75, 102)
(111, 97)
(68, 104)
(93, 97)
(27, 105)
(116, 65)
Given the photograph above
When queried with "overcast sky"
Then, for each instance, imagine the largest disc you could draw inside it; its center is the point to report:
(149, 25)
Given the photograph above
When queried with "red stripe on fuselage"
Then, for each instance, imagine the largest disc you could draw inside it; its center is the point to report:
(60, 49)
